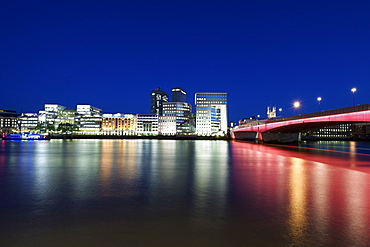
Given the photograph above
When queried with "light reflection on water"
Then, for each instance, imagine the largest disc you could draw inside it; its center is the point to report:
(182, 193)
(322, 199)
(297, 201)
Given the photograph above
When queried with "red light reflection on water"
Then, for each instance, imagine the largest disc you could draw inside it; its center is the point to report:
(317, 196)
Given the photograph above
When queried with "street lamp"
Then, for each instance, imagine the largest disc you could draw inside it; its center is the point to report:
(280, 110)
(353, 95)
(319, 99)
(296, 105)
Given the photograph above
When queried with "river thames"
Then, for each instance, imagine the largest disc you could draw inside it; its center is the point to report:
(184, 193)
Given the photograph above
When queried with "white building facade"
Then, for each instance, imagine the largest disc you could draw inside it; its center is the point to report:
(28, 121)
(89, 119)
(147, 123)
(211, 113)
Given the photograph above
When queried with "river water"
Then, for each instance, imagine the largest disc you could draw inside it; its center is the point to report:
(183, 193)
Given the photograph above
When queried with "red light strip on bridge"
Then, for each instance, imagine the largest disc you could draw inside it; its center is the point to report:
(363, 116)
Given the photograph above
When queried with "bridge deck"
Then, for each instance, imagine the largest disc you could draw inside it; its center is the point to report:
(349, 109)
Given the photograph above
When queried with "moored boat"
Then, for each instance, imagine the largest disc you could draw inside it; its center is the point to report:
(25, 136)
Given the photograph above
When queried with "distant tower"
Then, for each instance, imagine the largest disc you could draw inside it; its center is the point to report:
(271, 113)
(178, 95)
(158, 97)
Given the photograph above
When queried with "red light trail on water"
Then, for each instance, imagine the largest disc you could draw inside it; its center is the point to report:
(319, 149)
(317, 197)
(351, 160)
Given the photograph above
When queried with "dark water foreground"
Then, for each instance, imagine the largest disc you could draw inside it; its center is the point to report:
(183, 193)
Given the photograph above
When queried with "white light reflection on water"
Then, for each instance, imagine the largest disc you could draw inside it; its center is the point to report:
(81, 170)
(43, 187)
(210, 181)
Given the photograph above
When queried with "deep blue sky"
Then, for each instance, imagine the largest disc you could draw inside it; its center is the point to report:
(111, 54)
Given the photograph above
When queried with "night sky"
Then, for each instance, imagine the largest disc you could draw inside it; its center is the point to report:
(112, 54)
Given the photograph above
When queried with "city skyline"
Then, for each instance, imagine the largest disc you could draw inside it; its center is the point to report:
(112, 55)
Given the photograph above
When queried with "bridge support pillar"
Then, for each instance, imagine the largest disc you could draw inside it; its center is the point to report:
(259, 137)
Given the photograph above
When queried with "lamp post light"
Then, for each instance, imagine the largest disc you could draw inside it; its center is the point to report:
(319, 99)
(296, 105)
(353, 95)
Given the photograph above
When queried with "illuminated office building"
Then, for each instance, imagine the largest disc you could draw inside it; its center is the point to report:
(178, 95)
(8, 121)
(89, 119)
(342, 131)
(54, 115)
(119, 124)
(211, 113)
(50, 114)
(54, 108)
(176, 119)
(28, 121)
(158, 97)
(147, 124)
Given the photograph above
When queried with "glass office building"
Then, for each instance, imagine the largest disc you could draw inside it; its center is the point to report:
(89, 119)
(176, 119)
(28, 121)
(178, 95)
(211, 113)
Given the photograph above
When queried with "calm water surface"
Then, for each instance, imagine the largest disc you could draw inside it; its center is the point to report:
(183, 193)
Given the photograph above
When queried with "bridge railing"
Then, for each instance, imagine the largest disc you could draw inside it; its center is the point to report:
(349, 109)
